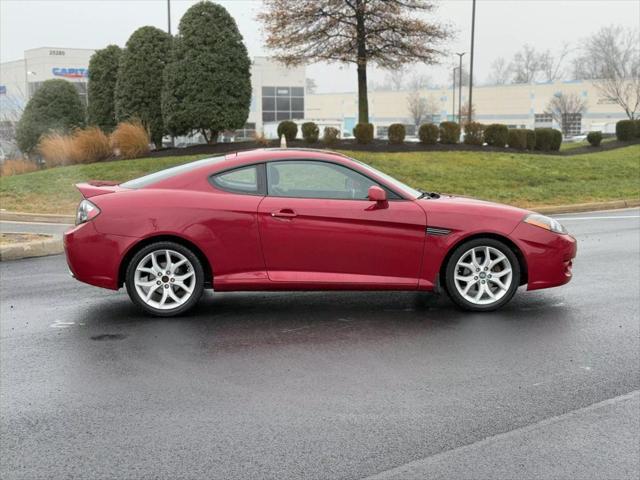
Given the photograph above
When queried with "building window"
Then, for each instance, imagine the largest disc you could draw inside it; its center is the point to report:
(543, 119)
(282, 103)
(572, 123)
(248, 132)
(382, 131)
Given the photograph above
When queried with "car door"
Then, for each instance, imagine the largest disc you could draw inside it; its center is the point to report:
(317, 226)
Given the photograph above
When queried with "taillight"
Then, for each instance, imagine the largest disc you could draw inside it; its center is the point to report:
(86, 211)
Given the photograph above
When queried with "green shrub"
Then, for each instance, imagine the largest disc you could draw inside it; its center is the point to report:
(518, 138)
(310, 132)
(289, 129)
(449, 133)
(556, 140)
(637, 122)
(54, 107)
(363, 132)
(625, 130)
(548, 139)
(331, 136)
(531, 139)
(594, 138)
(396, 133)
(428, 133)
(473, 133)
(496, 135)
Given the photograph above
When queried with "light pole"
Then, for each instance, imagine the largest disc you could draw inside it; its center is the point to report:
(460, 88)
(169, 16)
(473, 28)
(453, 88)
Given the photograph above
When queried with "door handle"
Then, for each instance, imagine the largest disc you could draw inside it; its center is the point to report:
(284, 213)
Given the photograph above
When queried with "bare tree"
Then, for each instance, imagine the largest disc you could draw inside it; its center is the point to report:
(419, 81)
(526, 65)
(465, 77)
(611, 58)
(395, 80)
(552, 67)
(465, 113)
(388, 33)
(421, 109)
(565, 109)
(500, 72)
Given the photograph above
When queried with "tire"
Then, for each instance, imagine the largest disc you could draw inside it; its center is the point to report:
(466, 275)
(158, 290)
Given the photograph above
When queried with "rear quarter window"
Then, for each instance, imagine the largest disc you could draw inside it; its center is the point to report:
(156, 177)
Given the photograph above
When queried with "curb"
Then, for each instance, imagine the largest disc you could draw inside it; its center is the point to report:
(36, 217)
(37, 248)
(587, 207)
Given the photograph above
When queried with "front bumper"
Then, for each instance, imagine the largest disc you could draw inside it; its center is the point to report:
(93, 257)
(549, 256)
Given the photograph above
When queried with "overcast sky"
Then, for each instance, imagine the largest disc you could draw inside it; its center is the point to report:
(502, 27)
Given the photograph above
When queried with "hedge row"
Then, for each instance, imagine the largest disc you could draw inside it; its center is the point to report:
(627, 130)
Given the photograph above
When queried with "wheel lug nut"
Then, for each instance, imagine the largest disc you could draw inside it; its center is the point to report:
(489, 275)
(159, 274)
(475, 278)
(477, 269)
(166, 285)
(486, 268)
(482, 281)
(158, 282)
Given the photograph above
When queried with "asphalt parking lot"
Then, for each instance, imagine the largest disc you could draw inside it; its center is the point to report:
(327, 385)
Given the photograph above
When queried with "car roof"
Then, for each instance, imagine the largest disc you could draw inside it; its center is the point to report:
(270, 154)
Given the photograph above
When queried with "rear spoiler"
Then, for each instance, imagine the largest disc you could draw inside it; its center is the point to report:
(97, 187)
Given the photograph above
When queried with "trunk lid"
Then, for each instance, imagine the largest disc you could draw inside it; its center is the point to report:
(94, 188)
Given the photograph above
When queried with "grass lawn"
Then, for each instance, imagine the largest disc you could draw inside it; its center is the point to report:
(517, 179)
(583, 143)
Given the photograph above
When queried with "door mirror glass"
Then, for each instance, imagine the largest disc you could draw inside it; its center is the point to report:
(377, 194)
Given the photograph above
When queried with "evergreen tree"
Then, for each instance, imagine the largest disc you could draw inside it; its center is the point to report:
(207, 83)
(103, 73)
(56, 106)
(139, 83)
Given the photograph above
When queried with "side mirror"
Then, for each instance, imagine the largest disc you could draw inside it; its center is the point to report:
(377, 194)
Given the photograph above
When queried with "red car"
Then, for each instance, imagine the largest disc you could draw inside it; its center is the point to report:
(295, 219)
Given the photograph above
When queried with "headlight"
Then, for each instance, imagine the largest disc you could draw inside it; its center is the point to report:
(86, 211)
(547, 223)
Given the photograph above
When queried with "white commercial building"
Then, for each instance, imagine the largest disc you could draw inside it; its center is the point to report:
(279, 93)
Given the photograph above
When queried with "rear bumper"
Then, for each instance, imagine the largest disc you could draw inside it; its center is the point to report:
(93, 257)
(549, 256)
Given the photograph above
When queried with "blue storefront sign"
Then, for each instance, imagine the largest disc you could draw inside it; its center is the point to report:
(70, 72)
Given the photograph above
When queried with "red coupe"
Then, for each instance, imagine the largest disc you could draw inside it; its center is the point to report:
(295, 219)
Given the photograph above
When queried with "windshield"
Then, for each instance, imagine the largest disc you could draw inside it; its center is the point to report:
(152, 178)
(391, 181)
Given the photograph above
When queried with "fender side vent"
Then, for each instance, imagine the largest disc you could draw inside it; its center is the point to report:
(438, 232)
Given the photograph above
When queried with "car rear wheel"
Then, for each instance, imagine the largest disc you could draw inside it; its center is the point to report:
(165, 279)
(482, 275)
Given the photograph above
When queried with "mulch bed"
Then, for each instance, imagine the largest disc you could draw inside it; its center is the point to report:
(375, 146)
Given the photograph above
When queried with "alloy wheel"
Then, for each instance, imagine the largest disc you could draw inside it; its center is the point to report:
(483, 275)
(164, 279)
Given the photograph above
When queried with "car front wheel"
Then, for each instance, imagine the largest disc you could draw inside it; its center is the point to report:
(482, 275)
(165, 279)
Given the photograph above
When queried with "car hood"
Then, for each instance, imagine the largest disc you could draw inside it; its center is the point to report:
(449, 207)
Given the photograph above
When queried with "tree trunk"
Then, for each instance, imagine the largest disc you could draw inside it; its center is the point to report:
(363, 99)
(213, 137)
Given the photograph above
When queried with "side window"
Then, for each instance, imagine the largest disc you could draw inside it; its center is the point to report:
(312, 179)
(240, 180)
